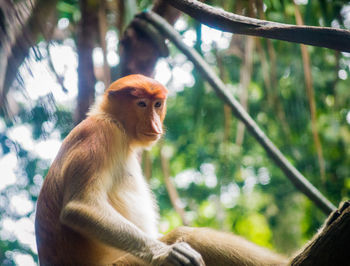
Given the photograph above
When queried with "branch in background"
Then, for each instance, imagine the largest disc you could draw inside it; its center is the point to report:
(173, 195)
(102, 23)
(336, 78)
(227, 109)
(87, 33)
(245, 76)
(277, 99)
(265, 71)
(311, 98)
(289, 170)
(270, 79)
(263, 59)
(332, 38)
(121, 17)
(59, 78)
(273, 100)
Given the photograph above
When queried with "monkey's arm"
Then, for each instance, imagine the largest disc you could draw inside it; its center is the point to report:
(100, 221)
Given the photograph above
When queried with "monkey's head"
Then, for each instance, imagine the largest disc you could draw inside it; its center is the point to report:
(139, 105)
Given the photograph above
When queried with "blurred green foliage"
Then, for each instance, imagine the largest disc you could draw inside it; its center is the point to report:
(221, 184)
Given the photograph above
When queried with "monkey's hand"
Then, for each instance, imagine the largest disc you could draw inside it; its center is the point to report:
(176, 255)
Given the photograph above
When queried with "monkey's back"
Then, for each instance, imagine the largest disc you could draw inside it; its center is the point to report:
(58, 244)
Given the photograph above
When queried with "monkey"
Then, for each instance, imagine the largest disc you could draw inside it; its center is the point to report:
(95, 207)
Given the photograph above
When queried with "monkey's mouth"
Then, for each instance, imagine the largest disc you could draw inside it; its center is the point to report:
(152, 135)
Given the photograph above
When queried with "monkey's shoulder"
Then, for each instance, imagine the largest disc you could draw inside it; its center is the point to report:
(92, 129)
(93, 138)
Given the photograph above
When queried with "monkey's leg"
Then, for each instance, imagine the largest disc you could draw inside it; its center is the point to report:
(219, 248)
(216, 248)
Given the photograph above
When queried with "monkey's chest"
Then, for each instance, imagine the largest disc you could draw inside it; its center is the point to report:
(136, 203)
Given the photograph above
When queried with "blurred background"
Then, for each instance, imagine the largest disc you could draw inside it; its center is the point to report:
(57, 56)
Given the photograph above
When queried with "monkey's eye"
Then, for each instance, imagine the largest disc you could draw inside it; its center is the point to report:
(142, 104)
(158, 104)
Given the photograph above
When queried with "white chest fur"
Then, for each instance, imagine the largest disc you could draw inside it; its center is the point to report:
(131, 197)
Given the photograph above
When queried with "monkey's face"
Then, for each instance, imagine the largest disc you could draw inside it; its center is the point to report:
(146, 120)
(138, 103)
(141, 117)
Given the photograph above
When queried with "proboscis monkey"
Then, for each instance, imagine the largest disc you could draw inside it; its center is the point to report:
(95, 207)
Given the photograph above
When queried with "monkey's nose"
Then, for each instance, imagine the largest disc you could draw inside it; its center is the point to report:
(156, 127)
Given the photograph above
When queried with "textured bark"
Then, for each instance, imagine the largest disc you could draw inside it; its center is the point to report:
(332, 245)
(141, 46)
(87, 34)
(337, 39)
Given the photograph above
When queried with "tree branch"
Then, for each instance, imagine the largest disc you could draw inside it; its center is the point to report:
(59, 78)
(103, 27)
(337, 39)
(289, 170)
(331, 246)
(170, 187)
(87, 33)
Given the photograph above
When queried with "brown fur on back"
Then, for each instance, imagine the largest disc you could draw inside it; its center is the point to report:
(58, 244)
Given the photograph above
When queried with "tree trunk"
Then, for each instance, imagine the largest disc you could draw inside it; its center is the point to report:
(103, 27)
(87, 34)
(332, 245)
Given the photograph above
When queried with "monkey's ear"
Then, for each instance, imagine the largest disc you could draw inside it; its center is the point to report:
(124, 91)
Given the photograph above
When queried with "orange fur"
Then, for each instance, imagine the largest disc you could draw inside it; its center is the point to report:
(144, 87)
